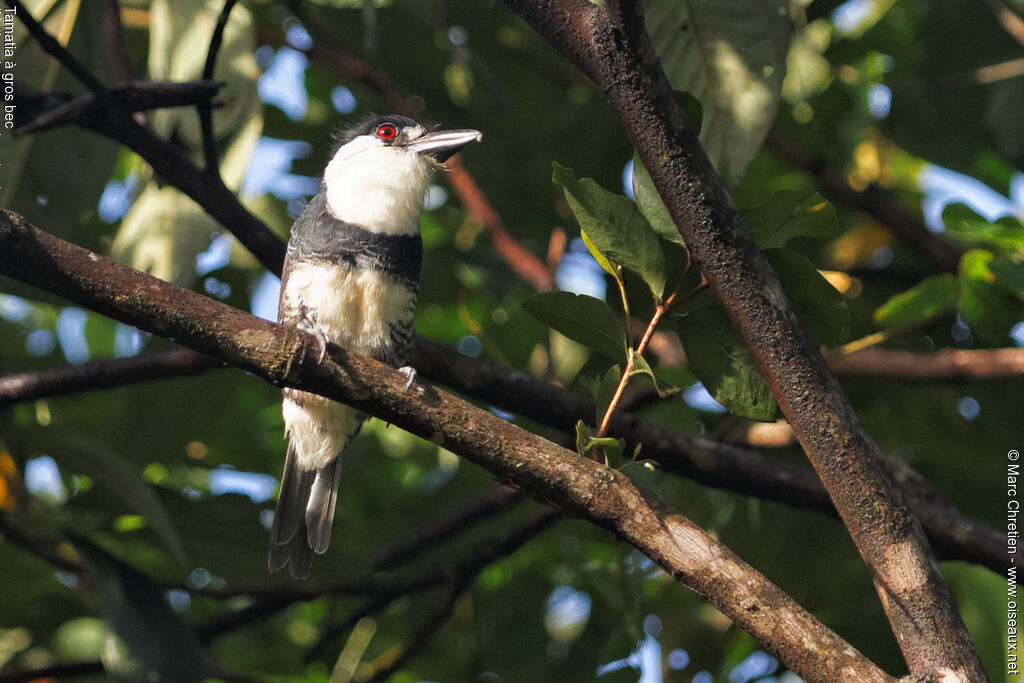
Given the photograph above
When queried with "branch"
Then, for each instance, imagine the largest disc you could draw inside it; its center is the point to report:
(167, 160)
(53, 48)
(949, 365)
(492, 502)
(466, 574)
(576, 486)
(103, 374)
(1008, 19)
(955, 536)
(874, 203)
(205, 108)
(114, 52)
(38, 111)
(609, 44)
(55, 672)
(699, 459)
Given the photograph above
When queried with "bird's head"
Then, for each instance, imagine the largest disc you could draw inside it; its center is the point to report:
(381, 168)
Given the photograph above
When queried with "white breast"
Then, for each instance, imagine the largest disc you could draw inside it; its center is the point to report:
(351, 308)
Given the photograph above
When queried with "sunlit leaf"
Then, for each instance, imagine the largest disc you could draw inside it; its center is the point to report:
(964, 225)
(731, 57)
(162, 233)
(988, 308)
(586, 442)
(581, 318)
(641, 367)
(927, 299)
(615, 227)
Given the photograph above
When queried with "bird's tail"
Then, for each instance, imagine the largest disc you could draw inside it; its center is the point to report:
(304, 515)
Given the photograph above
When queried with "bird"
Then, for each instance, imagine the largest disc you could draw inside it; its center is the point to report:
(351, 277)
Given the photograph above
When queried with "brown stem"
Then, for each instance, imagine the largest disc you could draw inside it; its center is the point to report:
(659, 311)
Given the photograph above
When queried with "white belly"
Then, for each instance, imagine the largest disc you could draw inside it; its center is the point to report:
(352, 308)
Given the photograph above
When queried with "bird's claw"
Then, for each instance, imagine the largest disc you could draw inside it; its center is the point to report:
(321, 342)
(410, 372)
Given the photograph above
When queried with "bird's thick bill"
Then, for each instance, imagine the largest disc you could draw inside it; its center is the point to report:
(442, 144)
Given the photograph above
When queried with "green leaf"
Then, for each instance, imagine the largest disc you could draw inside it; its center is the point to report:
(582, 318)
(989, 309)
(964, 225)
(586, 442)
(930, 297)
(649, 202)
(1010, 274)
(731, 56)
(718, 356)
(790, 213)
(640, 367)
(602, 260)
(817, 304)
(615, 227)
(159, 646)
(162, 233)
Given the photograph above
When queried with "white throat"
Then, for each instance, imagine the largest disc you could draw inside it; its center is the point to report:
(377, 187)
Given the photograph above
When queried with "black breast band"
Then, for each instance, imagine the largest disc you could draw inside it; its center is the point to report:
(319, 236)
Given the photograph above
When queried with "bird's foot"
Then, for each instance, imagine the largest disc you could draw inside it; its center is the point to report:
(410, 372)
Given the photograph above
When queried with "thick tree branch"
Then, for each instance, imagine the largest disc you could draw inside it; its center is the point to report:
(576, 486)
(609, 43)
(699, 459)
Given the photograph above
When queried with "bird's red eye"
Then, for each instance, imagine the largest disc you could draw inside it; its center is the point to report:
(386, 131)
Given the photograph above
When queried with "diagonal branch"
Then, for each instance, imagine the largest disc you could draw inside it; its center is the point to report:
(609, 44)
(576, 486)
(955, 536)
(38, 111)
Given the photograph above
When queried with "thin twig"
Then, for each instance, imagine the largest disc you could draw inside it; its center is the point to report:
(53, 48)
(118, 62)
(484, 557)
(205, 108)
(1008, 19)
(659, 311)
